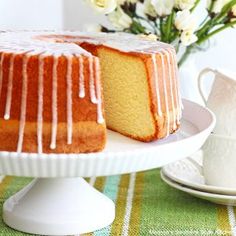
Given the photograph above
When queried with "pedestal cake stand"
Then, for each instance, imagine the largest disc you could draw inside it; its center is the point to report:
(60, 202)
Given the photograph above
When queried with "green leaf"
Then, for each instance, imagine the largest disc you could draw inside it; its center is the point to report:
(228, 6)
(137, 28)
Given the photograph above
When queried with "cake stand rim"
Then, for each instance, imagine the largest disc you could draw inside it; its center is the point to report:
(10, 157)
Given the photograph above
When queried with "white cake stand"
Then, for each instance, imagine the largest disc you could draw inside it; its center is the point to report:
(60, 202)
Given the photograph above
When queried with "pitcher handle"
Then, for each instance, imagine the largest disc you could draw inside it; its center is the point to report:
(200, 82)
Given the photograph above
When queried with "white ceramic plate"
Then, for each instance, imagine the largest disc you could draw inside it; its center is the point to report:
(121, 155)
(188, 172)
(215, 198)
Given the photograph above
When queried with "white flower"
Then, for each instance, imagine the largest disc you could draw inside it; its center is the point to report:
(163, 7)
(103, 6)
(184, 4)
(149, 9)
(218, 5)
(234, 10)
(188, 37)
(185, 20)
(120, 19)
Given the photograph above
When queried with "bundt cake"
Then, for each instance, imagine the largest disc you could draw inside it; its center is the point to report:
(52, 88)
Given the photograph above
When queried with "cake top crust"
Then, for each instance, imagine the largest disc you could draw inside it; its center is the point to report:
(67, 42)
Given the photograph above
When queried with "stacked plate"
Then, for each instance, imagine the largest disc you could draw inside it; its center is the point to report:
(186, 175)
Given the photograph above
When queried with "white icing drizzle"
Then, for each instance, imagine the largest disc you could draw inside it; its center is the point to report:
(65, 41)
(23, 103)
(40, 105)
(81, 77)
(155, 74)
(171, 81)
(100, 118)
(69, 100)
(54, 104)
(9, 88)
(1, 72)
(176, 88)
(179, 100)
(91, 81)
(165, 94)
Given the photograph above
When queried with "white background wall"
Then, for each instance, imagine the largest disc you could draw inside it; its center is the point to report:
(75, 14)
(46, 14)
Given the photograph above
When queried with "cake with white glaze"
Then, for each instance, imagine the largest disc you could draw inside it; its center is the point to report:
(54, 88)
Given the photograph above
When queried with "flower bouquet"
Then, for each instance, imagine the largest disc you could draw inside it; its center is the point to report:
(171, 21)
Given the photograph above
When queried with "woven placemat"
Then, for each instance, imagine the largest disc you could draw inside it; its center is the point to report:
(145, 205)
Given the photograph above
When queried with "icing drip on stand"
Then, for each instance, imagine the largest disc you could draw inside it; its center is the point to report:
(54, 104)
(69, 100)
(23, 103)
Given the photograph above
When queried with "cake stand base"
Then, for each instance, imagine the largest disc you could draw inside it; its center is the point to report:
(60, 206)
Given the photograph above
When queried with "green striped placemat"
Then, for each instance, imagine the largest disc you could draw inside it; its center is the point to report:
(145, 205)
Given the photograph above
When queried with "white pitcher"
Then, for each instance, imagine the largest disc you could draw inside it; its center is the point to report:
(222, 101)
(219, 160)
